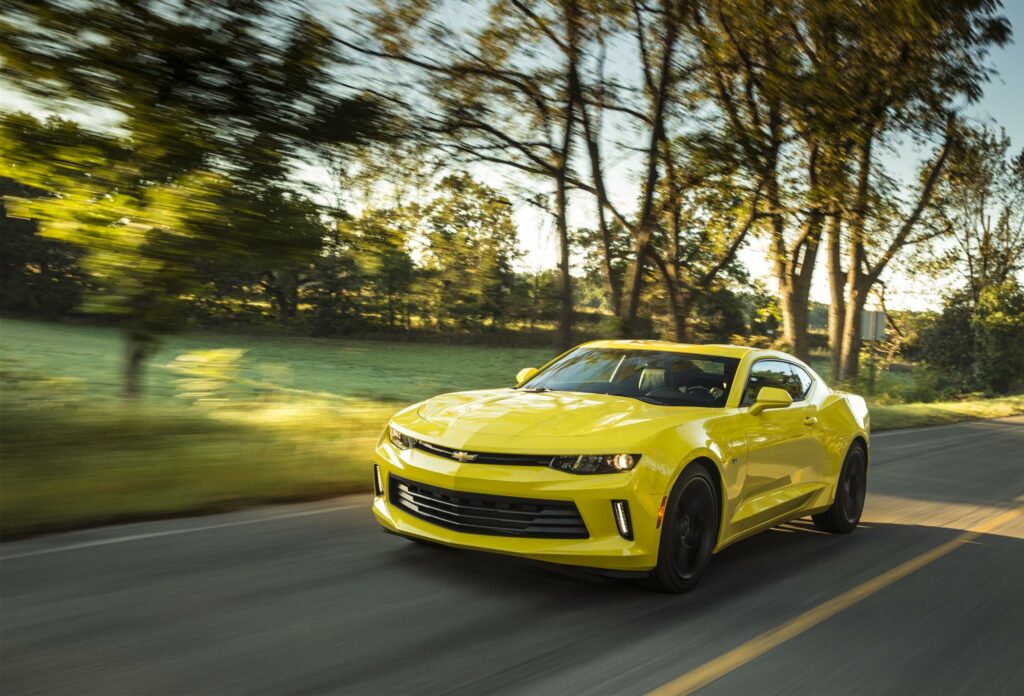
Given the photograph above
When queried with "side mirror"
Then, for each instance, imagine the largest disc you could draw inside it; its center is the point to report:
(770, 397)
(525, 374)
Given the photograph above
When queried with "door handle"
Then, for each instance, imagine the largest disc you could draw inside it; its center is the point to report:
(810, 420)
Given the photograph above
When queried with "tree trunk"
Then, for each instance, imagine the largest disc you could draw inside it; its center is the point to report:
(837, 308)
(855, 292)
(140, 345)
(794, 263)
(857, 298)
(597, 175)
(561, 188)
(630, 322)
(647, 216)
(283, 287)
(683, 310)
(794, 307)
(565, 278)
(614, 292)
(680, 301)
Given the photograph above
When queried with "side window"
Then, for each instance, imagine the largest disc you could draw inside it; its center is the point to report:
(805, 381)
(767, 373)
(775, 373)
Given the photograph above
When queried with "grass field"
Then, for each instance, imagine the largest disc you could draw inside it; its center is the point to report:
(229, 421)
(287, 419)
(376, 371)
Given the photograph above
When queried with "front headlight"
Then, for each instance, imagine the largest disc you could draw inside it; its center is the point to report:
(596, 463)
(400, 439)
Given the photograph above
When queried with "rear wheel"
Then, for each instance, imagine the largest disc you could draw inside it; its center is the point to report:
(688, 533)
(844, 515)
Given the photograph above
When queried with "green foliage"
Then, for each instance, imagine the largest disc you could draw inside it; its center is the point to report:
(948, 344)
(212, 117)
(470, 246)
(979, 346)
(980, 201)
(38, 277)
(187, 212)
(763, 314)
(999, 330)
(722, 315)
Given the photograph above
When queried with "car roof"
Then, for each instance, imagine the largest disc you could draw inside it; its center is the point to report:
(720, 350)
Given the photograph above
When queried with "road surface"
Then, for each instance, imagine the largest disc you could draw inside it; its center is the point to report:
(313, 598)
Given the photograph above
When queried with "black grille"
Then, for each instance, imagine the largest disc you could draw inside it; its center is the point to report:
(497, 515)
(485, 457)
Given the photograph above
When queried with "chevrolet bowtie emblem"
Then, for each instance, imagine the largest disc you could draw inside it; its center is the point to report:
(463, 456)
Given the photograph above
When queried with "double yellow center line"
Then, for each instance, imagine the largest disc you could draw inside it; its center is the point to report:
(754, 648)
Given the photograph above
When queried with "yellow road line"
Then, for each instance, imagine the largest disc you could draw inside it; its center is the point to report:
(737, 657)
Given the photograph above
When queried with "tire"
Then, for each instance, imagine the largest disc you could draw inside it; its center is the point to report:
(688, 534)
(851, 489)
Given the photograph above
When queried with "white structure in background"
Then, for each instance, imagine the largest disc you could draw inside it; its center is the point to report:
(872, 325)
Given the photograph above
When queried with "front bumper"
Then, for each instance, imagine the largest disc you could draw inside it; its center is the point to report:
(603, 548)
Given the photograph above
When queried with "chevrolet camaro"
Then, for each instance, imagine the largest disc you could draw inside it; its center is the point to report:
(641, 458)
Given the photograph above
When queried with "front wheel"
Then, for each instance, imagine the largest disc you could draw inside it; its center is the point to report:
(844, 515)
(688, 534)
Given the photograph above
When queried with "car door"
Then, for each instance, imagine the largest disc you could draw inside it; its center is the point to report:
(784, 454)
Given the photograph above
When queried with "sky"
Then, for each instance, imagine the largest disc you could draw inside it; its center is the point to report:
(1001, 105)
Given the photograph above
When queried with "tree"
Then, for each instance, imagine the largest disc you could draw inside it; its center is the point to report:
(979, 345)
(380, 239)
(38, 276)
(213, 116)
(884, 71)
(752, 71)
(470, 245)
(493, 90)
(999, 330)
(694, 206)
(980, 202)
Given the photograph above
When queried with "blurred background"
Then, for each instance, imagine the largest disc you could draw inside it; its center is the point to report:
(238, 234)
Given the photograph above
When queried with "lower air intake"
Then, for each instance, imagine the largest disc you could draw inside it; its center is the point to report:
(496, 515)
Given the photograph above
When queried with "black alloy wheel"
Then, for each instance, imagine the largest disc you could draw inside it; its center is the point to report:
(844, 515)
(689, 532)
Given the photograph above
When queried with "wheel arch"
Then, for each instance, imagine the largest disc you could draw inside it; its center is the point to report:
(714, 471)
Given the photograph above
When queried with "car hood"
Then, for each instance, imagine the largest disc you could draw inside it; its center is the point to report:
(512, 420)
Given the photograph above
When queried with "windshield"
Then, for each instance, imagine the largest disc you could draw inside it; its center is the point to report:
(657, 377)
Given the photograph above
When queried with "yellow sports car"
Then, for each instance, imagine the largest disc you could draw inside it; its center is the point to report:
(641, 457)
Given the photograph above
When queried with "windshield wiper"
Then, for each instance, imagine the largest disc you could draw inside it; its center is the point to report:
(536, 390)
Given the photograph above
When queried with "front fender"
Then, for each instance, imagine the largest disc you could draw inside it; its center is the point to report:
(719, 443)
(843, 418)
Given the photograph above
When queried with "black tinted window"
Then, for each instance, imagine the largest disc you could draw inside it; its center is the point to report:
(804, 379)
(666, 378)
(768, 373)
(775, 373)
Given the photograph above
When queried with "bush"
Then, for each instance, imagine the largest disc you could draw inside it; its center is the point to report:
(980, 346)
(998, 326)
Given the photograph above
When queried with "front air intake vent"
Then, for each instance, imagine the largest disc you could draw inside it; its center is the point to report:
(478, 513)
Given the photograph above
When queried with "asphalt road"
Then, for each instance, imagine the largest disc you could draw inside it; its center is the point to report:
(313, 598)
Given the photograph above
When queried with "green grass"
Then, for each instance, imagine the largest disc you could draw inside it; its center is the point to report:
(77, 466)
(890, 417)
(378, 371)
(290, 419)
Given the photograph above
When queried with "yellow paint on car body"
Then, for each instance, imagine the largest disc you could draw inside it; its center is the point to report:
(777, 465)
